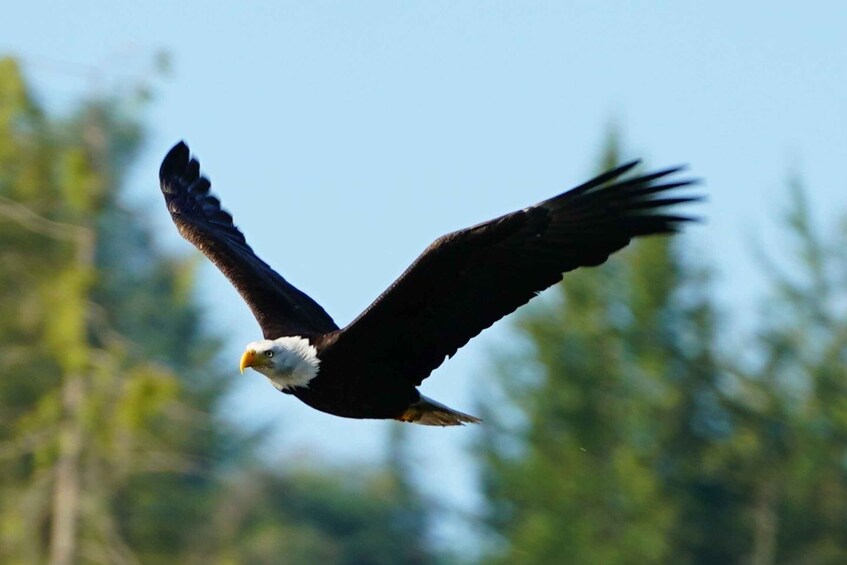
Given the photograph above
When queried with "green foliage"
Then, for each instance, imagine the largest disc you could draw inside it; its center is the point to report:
(330, 519)
(88, 404)
(111, 449)
(647, 440)
(583, 486)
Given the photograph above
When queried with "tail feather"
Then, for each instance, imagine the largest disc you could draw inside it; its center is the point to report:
(428, 412)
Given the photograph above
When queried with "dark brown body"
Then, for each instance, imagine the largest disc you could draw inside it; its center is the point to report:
(346, 388)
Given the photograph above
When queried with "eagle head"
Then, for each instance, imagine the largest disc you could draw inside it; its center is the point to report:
(287, 362)
(259, 356)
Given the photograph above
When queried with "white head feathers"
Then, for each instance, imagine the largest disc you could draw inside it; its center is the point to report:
(287, 362)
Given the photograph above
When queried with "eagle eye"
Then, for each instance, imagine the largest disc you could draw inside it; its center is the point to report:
(269, 353)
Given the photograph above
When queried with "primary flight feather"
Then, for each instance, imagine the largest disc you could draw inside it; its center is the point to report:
(460, 285)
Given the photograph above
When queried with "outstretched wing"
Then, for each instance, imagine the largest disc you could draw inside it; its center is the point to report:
(467, 280)
(280, 308)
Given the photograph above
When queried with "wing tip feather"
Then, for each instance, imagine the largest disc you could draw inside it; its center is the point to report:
(175, 161)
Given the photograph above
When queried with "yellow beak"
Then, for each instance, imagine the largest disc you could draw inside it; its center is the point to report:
(248, 359)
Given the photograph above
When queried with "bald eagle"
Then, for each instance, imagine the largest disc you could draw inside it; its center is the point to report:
(460, 285)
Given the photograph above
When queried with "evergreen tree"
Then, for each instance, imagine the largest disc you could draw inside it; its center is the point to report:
(577, 484)
(100, 430)
(304, 517)
(788, 450)
(643, 439)
(111, 450)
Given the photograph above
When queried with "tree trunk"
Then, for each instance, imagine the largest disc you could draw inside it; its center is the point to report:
(764, 524)
(67, 484)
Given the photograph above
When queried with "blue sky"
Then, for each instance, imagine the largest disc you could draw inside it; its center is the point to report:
(345, 136)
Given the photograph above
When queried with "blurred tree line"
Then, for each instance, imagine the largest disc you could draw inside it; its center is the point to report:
(110, 447)
(621, 427)
(646, 436)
